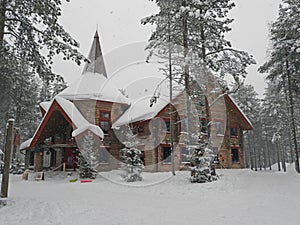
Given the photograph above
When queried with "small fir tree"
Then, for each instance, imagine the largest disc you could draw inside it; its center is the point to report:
(86, 154)
(132, 163)
(202, 169)
(85, 169)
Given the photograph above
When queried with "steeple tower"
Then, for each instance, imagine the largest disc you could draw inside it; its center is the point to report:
(96, 61)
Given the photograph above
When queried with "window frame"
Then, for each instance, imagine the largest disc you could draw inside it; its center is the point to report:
(139, 128)
(217, 128)
(236, 131)
(168, 128)
(106, 120)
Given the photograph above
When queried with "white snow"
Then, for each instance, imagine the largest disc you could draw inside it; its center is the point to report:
(45, 105)
(239, 197)
(93, 86)
(25, 144)
(140, 92)
(91, 127)
(141, 111)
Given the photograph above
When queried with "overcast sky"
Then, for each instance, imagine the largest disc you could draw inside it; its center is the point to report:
(118, 23)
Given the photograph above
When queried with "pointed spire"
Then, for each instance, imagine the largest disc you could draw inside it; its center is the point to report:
(96, 61)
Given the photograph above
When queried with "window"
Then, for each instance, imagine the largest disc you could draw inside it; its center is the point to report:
(166, 154)
(103, 155)
(233, 132)
(53, 157)
(31, 158)
(104, 115)
(168, 125)
(235, 155)
(105, 122)
(138, 129)
(105, 126)
(143, 157)
(219, 128)
(185, 155)
(184, 125)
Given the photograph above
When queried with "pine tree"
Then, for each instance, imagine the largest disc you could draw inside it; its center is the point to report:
(133, 165)
(283, 65)
(30, 36)
(274, 118)
(202, 158)
(190, 36)
(32, 32)
(196, 30)
(18, 96)
(247, 99)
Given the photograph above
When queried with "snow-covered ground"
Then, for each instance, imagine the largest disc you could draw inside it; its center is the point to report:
(242, 197)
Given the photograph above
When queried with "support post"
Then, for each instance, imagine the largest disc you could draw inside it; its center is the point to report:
(7, 159)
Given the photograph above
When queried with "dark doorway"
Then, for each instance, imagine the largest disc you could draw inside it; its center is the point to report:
(235, 155)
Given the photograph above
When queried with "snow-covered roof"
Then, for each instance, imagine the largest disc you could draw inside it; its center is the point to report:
(91, 127)
(77, 118)
(26, 144)
(45, 105)
(240, 110)
(140, 109)
(93, 86)
(71, 111)
(93, 83)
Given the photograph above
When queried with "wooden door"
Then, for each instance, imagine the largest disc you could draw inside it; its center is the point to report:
(70, 158)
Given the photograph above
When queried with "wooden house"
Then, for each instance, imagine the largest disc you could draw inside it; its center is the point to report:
(94, 106)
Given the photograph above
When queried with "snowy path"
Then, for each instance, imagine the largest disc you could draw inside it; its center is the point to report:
(240, 197)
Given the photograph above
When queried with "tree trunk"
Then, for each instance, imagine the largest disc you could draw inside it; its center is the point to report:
(2, 20)
(259, 159)
(283, 157)
(289, 133)
(292, 115)
(278, 155)
(265, 158)
(255, 153)
(250, 152)
(7, 159)
(186, 74)
(269, 154)
(172, 130)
